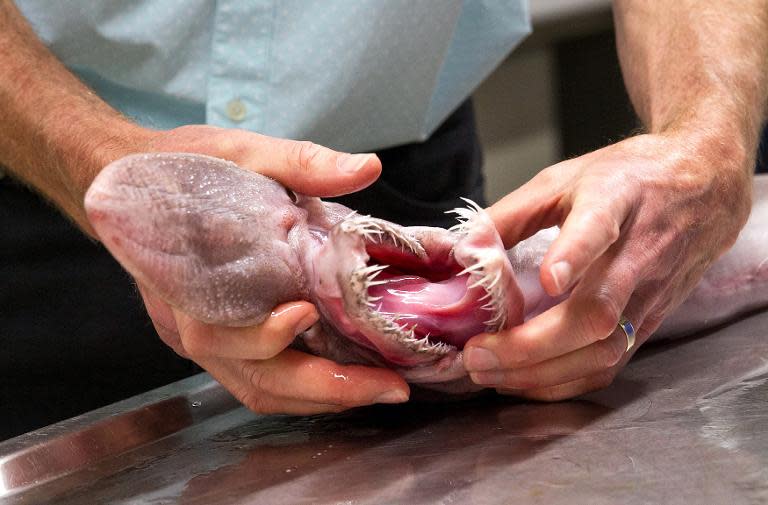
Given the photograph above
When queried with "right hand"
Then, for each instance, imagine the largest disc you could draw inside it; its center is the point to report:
(254, 363)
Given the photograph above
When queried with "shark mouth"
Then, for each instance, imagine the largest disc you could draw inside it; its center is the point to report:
(426, 290)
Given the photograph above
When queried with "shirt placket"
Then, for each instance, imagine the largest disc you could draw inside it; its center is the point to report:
(237, 82)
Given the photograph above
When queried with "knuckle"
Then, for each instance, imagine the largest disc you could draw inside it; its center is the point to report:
(268, 342)
(230, 148)
(253, 392)
(264, 353)
(602, 316)
(258, 403)
(608, 352)
(196, 344)
(261, 347)
(603, 220)
(303, 154)
(650, 325)
(256, 377)
(172, 340)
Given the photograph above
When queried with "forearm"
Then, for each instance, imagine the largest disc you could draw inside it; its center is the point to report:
(697, 66)
(55, 134)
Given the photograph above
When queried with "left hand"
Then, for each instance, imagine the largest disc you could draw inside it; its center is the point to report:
(641, 220)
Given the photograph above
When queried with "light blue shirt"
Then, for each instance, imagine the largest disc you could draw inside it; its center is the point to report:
(350, 74)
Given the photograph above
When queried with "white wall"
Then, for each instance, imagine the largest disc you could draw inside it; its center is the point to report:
(517, 121)
(516, 105)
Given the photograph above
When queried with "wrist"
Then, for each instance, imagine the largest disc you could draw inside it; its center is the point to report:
(715, 158)
(717, 141)
(77, 155)
(723, 132)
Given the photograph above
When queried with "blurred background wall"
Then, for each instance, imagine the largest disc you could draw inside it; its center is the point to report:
(558, 95)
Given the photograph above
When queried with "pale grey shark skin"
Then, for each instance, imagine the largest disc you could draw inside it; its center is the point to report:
(226, 245)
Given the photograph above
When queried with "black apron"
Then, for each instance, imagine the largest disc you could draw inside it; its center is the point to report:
(73, 331)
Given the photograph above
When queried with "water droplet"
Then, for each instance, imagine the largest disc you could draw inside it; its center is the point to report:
(340, 376)
(196, 404)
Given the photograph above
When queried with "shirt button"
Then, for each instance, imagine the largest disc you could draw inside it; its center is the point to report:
(236, 110)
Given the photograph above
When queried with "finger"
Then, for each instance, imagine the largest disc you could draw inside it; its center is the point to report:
(534, 206)
(295, 407)
(310, 168)
(598, 375)
(262, 341)
(590, 314)
(565, 391)
(584, 362)
(262, 402)
(593, 224)
(295, 375)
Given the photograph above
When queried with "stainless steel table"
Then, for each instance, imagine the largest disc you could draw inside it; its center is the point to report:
(687, 422)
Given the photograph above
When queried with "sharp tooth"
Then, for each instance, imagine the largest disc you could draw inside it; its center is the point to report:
(470, 269)
(373, 276)
(476, 284)
(497, 320)
(372, 270)
(496, 279)
(472, 205)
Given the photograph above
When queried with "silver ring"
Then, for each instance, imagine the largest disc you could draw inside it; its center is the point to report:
(629, 331)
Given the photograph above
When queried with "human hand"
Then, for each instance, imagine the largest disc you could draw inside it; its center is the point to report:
(254, 363)
(641, 220)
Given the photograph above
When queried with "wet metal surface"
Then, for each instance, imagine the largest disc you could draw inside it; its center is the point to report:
(687, 422)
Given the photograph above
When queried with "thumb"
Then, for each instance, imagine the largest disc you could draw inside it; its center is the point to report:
(312, 169)
(532, 207)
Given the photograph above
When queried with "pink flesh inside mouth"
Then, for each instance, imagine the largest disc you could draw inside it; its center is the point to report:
(428, 296)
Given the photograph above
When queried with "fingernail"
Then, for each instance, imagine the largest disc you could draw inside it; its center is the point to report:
(487, 378)
(352, 163)
(306, 322)
(479, 359)
(561, 273)
(394, 396)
